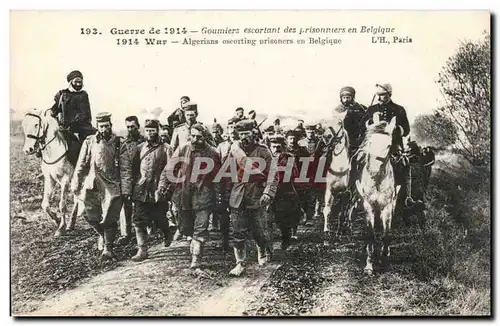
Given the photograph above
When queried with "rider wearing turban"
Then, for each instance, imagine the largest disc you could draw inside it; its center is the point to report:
(72, 107)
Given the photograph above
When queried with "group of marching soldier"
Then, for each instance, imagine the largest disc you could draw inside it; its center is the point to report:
(132, 172)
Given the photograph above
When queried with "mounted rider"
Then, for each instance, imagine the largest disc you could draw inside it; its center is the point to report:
(387, 109)
(353, 113)
(72, 108)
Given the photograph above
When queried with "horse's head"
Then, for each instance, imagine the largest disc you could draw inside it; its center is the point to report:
(378, 144)
(335, 136)
(37, 126)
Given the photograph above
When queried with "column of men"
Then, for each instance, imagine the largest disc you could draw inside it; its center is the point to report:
(135, 173)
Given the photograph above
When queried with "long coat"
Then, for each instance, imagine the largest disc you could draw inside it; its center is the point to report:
(100, 161)
(149, 161)
(74, 108)
(188, 195)
(248, 194)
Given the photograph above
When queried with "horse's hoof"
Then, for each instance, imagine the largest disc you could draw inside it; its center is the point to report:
(326, 243)
(369, 272)
(70, 228)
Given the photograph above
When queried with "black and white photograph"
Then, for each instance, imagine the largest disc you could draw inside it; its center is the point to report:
(215, 163)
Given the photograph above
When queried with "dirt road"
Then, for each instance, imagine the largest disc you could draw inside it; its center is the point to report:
(308, 279)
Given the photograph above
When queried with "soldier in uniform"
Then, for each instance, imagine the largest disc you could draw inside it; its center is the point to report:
(353, 113)
(194, 198)
(182, 134)
(315, 147)
(300, 129)
(240, 114)
(285, 205)
(133, 139)
(304, 190)
(268, 133)
(277, 127)
(177, 117)
(102, 178)
(148, 162)
(72, 110)
(217, 131)
(387, 109)
(428, 158)
(249, 201)
(221, 213)
(181, 137)
(165, 135)
(72, 107)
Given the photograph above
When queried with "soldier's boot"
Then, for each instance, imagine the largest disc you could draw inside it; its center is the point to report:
(98, 228)
(409, 202)
(261, 255)
(109, 239)
(142, 249)
(124, 240)
(164, 227)
(215, 223)
(285, 238)
(196, 249)
(178, 235)
(241, 256)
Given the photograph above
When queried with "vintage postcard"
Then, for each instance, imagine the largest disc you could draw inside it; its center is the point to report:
(250, 163)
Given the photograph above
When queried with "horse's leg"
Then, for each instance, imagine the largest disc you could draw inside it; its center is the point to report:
(62, 206)
(350, 213)
(386, 216)
(48, 189)
(326, 215)
(370, 237)
(74, 214)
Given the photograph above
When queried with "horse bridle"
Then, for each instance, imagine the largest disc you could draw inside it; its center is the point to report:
(337, 138)
(40, 139)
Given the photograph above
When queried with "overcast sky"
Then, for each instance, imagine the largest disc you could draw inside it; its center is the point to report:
(286, 79)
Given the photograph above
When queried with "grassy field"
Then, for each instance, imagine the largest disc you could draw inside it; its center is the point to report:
(444, 271)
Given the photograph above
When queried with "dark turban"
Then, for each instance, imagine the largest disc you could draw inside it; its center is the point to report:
(72, 75)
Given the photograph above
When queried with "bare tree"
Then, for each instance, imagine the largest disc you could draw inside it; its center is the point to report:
(465, 83)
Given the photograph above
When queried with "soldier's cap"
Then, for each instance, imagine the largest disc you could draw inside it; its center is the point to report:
(239, 109)
(191, 107)
(383, 89)
(311, 127)
(244, 125)
(269, 129)
(152, 123)
(74, 74)
(277, 121)
(164, 127)
(103, 117)
(277, 139)
(216, 127)
(291, 132)
(348, 90)
(185, 98)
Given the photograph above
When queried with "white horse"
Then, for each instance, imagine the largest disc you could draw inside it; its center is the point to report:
(41, 134)
(376, 186)
(336, 178)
